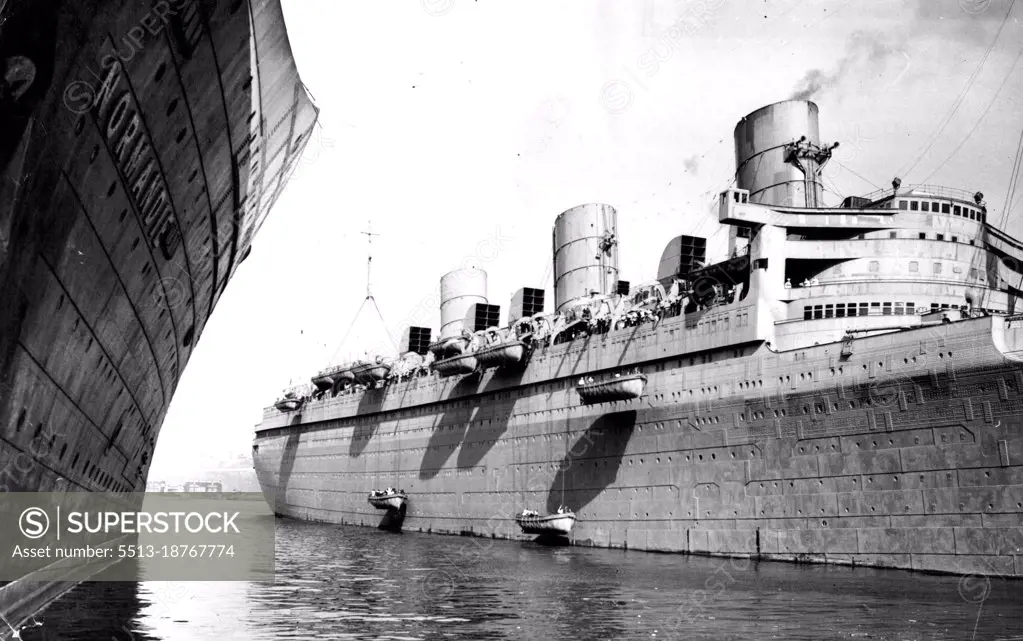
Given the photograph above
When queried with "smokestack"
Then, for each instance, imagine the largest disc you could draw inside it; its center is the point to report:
(778, 155)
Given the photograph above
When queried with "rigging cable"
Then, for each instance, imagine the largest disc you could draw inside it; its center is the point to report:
(979, 120)
(962, 95)
(1013, 181)
(864, 179)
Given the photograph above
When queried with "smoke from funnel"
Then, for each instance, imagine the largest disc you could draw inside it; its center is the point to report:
(865, 50)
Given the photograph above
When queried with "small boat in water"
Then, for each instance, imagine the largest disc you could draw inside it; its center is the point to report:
(389, 499)
(558, 524)
(619, 388)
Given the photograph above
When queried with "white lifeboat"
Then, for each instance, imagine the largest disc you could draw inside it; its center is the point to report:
(558, 524)
(289, 403)
(618, 388)
(389, 499)
(368, 373)
(462, 364)
(324, 380)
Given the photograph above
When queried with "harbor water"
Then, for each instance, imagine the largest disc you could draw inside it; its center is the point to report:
(355, 583)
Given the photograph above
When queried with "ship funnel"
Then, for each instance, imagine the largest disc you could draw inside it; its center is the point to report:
(585, 253)
(460, 290)
(778, 155)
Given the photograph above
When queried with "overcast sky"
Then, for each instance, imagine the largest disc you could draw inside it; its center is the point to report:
(463, 128)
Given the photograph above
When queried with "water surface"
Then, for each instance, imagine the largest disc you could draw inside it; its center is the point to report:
(337, 582)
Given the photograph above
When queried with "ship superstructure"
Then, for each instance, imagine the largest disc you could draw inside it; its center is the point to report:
(843, 387)
(143, 145)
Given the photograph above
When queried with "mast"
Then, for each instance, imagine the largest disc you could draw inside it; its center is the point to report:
(369, 254)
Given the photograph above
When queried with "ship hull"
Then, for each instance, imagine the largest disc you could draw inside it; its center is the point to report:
(134, 176)
(908, 453)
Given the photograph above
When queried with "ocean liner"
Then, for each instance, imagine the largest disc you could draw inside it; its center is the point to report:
(142, 145)
(843, 387)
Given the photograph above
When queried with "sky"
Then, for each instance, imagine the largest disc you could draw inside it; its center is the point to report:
(460, 129)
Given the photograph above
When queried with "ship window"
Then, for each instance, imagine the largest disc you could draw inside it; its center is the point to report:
(957, 210)
(914, 266)
(874, 266)
(899, 310)
(851, 310)
(829, 311)
(807, 312)
(934, 307)
(875, 309)
(903, 205)
(944, 305)
(886, 309)
(944, 208)
(818, 311)
(970, 213)
(957, 269)
(863, 309)
(923, 236)
(914, 205)
(955, 239)
(839, 310)
(971, 241)
(893, 234)
(937, 268)
(941, 236)
(925, 206)
(973, 273)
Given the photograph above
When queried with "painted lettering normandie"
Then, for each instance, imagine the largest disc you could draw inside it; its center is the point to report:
(117, 116)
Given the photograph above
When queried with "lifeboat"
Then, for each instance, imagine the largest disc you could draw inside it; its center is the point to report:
(289, 403)
(324, 380)
(451, 346)
(369, 373)
(501, 354)
(557, 524)
(389, 499)
(344, 374)
(619, 388)
(463, 364)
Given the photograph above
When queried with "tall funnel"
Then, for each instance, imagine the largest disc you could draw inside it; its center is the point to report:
(585, 253)
(778, 155)
(460, 290)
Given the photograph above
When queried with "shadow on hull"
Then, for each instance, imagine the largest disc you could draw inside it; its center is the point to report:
(393, 519)
(578, 481)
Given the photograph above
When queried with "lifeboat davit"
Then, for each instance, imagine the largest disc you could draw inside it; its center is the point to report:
(463, 364)
(289, 403)
(619, 388)
(368, 373)
(501, 354)
(557, 524)
(388, 499)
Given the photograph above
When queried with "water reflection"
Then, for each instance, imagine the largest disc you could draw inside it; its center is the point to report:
(359, 583)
